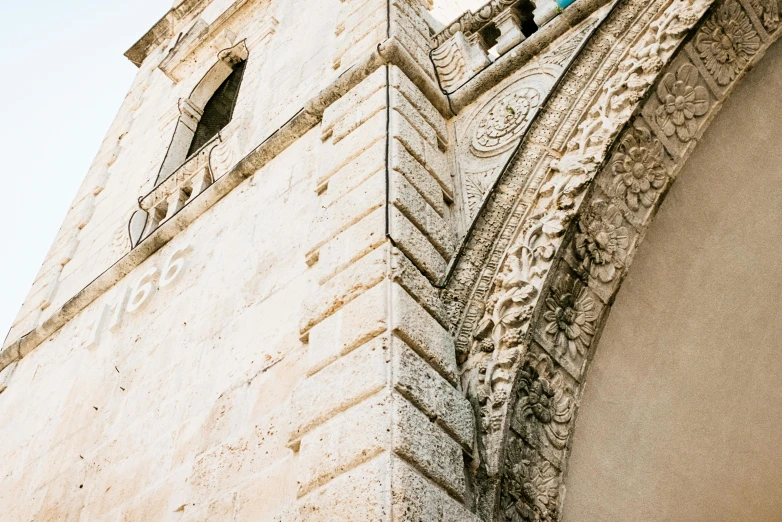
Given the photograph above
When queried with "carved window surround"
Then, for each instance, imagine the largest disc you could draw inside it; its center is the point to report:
(179, 61)
(180, 18)
(164, 29)
(182, 178)
(191, 108)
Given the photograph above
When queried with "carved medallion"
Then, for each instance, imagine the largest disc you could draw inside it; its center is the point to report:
(505, 121)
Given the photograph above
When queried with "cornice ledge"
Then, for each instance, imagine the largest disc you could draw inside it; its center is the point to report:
(163, 29)
(387, 52)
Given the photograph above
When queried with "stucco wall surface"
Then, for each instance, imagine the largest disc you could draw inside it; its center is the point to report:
(680, 418)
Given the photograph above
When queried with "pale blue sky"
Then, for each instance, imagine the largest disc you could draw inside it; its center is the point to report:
(62, 79)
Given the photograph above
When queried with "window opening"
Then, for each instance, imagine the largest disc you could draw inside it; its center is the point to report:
(218, 110)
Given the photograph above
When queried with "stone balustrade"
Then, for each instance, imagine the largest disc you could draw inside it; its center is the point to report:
(475, 39)
(176, 191)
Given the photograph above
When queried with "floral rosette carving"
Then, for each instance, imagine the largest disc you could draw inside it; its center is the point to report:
(569, 319)
(543, 404)
(768, 12)
(638, 168)
(727, 42)
(530, 489)
(681, 101)
(601, 241)
(505, 121)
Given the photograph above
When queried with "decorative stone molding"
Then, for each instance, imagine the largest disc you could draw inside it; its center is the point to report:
(180, 61)
(488, 133)
(191, 108)
(553, 242)
(550, 245)
(174, 60)
(177, 190)
(472, 22)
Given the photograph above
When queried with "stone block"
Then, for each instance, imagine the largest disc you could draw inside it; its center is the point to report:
(352, 174)
(357, 29)
(405, 273)
(333, 157)
(359, 114)
(402, 161)
(267, 496)
(237, 460)
(351, 245)
(363, 46)
(432, 159)
(411, 11)
(416, 246)
(338, 386)
(414, 498)
(407, 199)
(433, 395)
(401, 105)
(360, 495)
(219, 509)
(344, 442)
(344, 287)
(358, 322)
(414, 42)
(421, 442)
(414, 325)
(408, 89)
(348, 210)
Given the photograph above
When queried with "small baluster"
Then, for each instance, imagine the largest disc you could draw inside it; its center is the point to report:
(509, 25)
(201, 181)
(175, 202)
(156, 216)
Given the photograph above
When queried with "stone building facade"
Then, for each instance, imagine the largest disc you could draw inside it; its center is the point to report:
(337, 260)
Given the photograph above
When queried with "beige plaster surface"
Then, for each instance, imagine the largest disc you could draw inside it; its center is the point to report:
(681, 416)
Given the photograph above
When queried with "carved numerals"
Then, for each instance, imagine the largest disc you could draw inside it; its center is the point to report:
(134, 299)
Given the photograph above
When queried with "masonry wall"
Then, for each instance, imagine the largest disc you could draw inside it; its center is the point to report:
(184, 403)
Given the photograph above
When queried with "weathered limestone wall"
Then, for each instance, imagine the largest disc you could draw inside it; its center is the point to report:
(276, 346)
(184, 403)
(379, 423)
(680, 417)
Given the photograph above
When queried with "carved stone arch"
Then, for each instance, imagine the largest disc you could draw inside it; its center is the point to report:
(191, 108)
(547, 252)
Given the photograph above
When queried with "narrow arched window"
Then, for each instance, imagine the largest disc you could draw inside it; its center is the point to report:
(218, 110)
(207, 110)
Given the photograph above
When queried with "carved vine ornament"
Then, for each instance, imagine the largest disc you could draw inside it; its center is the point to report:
(529, 294)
